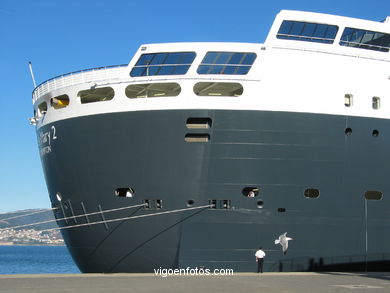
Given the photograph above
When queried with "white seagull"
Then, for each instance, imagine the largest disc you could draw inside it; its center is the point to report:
(283, 240)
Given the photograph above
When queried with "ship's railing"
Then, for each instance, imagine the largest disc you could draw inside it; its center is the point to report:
(78, 77)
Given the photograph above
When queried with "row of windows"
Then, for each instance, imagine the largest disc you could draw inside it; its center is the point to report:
(146, 90)
(325, 33)
(154, 90)
(178, 63)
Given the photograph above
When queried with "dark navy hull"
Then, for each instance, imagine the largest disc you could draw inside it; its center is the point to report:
(282, 154)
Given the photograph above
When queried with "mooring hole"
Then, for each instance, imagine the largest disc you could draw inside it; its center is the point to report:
(252, 191)
(159, 204)
(146, 203)
(124, 192)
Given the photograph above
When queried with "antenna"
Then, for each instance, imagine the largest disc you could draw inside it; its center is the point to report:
(32, 74)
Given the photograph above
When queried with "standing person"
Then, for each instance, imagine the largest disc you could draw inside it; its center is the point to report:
(260, 254)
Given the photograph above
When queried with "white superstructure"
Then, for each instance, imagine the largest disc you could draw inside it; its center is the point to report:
(315, 64)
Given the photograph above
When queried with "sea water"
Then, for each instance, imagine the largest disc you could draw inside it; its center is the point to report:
(36, 260)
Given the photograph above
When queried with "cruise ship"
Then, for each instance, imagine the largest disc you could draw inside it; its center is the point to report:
(195, 154)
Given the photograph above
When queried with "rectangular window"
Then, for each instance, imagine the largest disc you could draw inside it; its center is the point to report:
(226, 63)
(173, 63)
(363, 39)
(309, 32)
(376, 103)
(348, 100)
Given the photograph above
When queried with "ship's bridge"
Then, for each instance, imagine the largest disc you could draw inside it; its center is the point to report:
(331, 33)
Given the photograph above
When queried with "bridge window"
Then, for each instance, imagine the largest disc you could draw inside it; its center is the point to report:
(226, 63)
(305, 31)
(227, 89)
(96, 95)
(363, 39)
(153, 90)
(174, 63)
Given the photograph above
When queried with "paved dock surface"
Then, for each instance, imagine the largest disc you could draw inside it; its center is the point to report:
(240, 282)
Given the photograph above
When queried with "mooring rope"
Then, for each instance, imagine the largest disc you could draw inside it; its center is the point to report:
(29, 214)
(72, 217)
(128, 218)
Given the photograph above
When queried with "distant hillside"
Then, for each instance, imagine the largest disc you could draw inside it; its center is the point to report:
(43, 215)
(10, 234)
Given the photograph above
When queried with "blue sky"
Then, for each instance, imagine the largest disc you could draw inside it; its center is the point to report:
(61, 36)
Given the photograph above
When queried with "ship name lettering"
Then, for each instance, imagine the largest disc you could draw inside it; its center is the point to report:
(45, 150)
(45, 140)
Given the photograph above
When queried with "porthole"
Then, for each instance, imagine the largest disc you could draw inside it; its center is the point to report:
(225, 89)
(375, 133)
(190, 202)
(373, 195)
(312, 193)
(153, 90)
(348, 131)
(59, 102)
(96, 95)
(42, 109)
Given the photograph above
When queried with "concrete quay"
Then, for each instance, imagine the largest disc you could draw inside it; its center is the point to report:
(240, 282)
